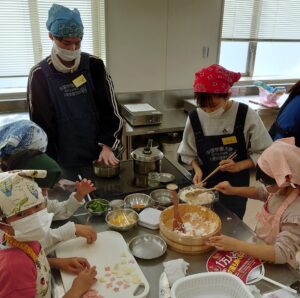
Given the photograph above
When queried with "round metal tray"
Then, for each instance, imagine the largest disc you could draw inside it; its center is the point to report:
(166, 177)
(147, 246)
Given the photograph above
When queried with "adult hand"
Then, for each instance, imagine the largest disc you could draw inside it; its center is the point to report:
(72, 265)
(85, 279)
(83, 188)
(223, 242)
(225, 188)
(87, 232)
(229, 165)
(107, 156)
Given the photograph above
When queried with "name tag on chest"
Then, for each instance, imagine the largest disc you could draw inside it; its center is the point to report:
(79, 81)
(229, 140)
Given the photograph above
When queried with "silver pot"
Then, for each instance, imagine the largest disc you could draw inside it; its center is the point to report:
(106, 171)
(147, 159)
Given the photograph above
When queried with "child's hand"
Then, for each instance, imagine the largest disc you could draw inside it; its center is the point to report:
(225, 188)
(229, 165)
(223, 242)
(83, 187)
(198, 177)
(85, 279)
(72, 265)
(87, 232)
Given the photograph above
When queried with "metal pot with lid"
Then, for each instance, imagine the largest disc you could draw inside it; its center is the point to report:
(147, 159)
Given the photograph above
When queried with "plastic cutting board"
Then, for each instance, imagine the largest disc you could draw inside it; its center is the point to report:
(118, 272)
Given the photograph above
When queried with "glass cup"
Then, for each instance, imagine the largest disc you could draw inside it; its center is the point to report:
(153, 179)
(116, 204)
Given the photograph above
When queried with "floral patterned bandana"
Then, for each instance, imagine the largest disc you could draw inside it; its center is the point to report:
(20, 135)
(215, 79)
(19, 192)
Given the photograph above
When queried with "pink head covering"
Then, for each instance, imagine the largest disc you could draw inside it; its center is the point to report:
(215, 79)
(282, 160)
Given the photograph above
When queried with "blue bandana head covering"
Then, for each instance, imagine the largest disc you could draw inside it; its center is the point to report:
(63, 22)
(21, 135)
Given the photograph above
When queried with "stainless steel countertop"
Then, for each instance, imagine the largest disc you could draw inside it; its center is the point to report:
(152, 269)
(173, 120)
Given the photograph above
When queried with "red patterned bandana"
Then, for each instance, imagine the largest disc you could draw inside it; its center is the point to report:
(215, 79)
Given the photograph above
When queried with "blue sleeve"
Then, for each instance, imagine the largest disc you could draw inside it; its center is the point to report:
(289, 119)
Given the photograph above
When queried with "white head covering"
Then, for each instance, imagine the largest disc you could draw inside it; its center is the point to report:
(282, 160)
(18, 191)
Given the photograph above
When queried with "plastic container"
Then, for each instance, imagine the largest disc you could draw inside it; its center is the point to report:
(149, 218)
(268, 99)
(153, 179)
(210, 285)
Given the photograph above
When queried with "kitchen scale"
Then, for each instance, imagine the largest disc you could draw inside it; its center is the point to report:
(139, 114)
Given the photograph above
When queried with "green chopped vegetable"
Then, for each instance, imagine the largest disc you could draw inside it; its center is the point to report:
(98, 206)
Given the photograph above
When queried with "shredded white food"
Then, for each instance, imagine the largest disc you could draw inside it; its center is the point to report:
(197, 196)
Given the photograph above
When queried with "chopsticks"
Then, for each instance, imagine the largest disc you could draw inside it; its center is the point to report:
(232, 156)
(88, 196)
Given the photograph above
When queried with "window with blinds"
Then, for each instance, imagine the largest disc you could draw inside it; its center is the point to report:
(261, 37)
(24, 36)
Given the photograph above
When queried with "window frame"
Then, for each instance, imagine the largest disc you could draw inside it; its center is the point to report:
(253, 41)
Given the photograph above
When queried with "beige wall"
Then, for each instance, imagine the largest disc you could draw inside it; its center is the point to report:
(158, 44)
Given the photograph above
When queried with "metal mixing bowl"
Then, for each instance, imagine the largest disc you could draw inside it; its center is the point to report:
(122, 219)
(106, 171)
(147, 246)
(138, 201)
(162, 196)
(97, 213)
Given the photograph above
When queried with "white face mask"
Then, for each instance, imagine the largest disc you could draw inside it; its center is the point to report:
(268, 191)
(32, 227)
(66, 55)
(217, 113)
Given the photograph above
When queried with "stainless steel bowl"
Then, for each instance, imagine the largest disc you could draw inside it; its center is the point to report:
(122, 219)
(162, 196)
(106, 171)
(97, 213)
(147, 246)
(138, 201)
(209, 204)
(166, 177)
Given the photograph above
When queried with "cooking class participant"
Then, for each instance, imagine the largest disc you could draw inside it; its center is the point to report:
(218, 128)
(287, 123)
(24, 267)
(20, 135)
(71, 96)
(278, 223)
(36, 160)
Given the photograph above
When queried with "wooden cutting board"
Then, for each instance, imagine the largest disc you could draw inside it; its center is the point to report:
(119, 275)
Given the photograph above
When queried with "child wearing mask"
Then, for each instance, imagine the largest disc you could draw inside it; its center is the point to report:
(218, 128)
(278, 223)
(36, 160)
(24, 268)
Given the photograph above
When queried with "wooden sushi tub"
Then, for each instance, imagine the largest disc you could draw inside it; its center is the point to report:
(200, 224)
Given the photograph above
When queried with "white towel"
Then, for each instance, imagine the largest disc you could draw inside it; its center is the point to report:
(175, 269)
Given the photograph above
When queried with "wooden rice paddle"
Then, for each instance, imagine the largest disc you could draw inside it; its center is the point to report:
(177, 221)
